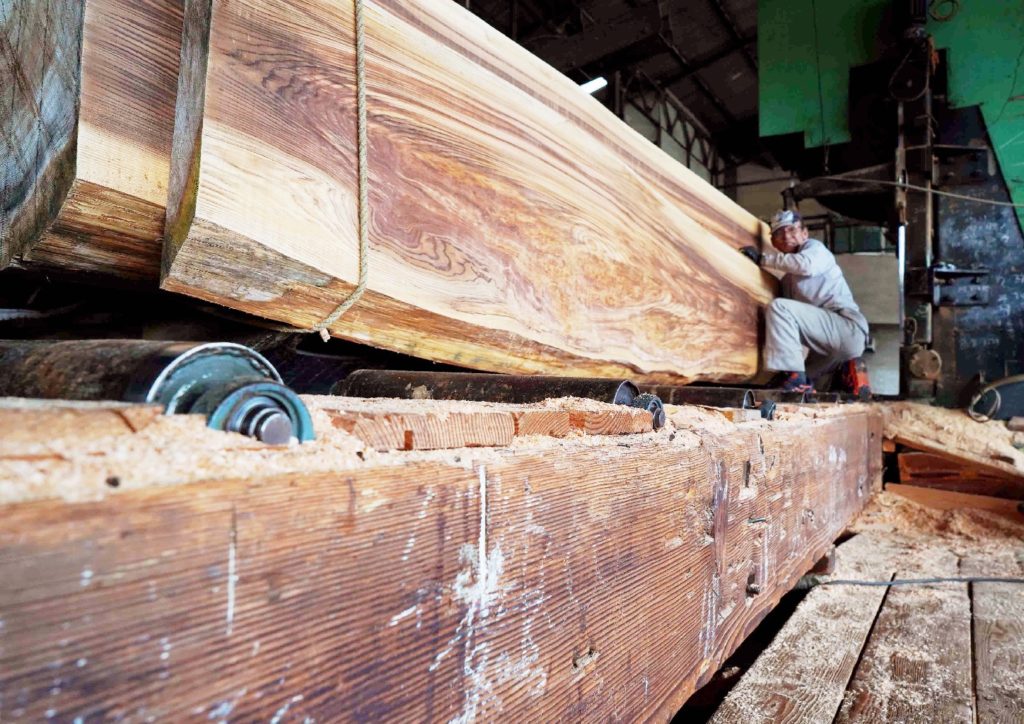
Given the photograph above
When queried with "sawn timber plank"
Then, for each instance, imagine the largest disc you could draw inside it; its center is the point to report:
(928, 470)
(515, 224)
(584, 581)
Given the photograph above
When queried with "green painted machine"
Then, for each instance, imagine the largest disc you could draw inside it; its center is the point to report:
(910, 114)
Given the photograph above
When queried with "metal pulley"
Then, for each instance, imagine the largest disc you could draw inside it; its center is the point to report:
(232, 385)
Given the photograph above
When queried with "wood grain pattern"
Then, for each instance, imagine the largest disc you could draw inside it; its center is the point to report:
(112, 221)
(599, 582)
(516, 225)
(39, 53)
(949, 500)
(802, 675)
(916, 667)
(998, 620)
(928, 470)
(388, 424)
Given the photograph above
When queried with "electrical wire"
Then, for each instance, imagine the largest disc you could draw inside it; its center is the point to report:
(363, 210)
(912, 187)
(821, 94)
(918, 581)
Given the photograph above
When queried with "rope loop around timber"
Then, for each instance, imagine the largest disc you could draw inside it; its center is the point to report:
(363, 210)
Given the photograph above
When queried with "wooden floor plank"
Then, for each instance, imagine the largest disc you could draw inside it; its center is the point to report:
(998, 635)
(582, 581)
(803, 674)
(916, 667)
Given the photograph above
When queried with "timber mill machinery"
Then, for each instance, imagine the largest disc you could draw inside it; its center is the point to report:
(931, 154)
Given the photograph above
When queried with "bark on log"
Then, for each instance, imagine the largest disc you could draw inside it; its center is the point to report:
(40, 42)
(516, 225)
(572, 580)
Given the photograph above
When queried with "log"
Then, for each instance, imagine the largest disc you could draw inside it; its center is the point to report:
(572, 580)
(927, 470)
(39, 55)
(515, 224)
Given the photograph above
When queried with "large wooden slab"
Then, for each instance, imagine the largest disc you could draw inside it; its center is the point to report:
(39, 82)
(110, 216)
(568, 581)
(516, 225)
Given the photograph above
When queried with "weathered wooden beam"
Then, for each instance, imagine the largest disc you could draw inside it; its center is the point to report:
(515, 224)
(561, 581)
(40, 42)
(109, 217)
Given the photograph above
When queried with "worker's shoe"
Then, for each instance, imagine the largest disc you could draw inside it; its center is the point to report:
(796, 382)
(855, 378)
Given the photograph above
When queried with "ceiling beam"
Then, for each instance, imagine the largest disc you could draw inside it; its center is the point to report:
(726, 19)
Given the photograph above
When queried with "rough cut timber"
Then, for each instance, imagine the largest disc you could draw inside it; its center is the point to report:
(985, 446)
(111, 219)
(569, 580)
(928, 470)
(39, 47)
(516, 225)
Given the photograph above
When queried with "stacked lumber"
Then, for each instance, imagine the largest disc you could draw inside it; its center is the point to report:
(515, 225)
(946, 449)
(566, 577)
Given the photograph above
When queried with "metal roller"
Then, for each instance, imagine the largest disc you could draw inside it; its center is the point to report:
(232, 385)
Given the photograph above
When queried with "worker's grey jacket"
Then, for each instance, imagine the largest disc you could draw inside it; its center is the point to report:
(813, 276)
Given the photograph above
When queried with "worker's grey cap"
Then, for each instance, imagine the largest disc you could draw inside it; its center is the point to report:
(784, 218)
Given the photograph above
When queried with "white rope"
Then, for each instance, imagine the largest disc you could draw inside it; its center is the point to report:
(364, 207)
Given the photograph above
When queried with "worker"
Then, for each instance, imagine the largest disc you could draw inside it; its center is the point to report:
(816, 309)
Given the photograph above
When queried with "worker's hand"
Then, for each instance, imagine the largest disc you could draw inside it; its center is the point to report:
(751, 253)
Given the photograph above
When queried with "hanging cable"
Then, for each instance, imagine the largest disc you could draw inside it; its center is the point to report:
(821, 93)
(918, 581)
(912, 187)
(363, 181)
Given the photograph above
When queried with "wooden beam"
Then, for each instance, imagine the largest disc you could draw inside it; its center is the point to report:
(572, 580)
(112, 219)
(39, 47)
(928, 470)
(515, 224)
(802, 675)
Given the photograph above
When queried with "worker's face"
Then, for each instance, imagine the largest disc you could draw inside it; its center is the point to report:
(789, 238)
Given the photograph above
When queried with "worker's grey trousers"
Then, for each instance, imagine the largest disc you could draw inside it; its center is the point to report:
(790, 326)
